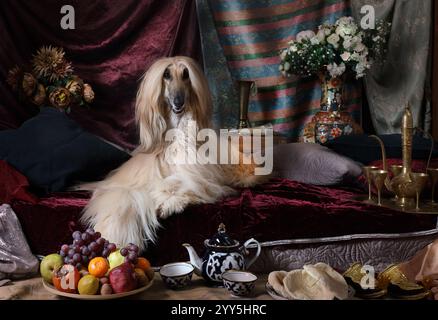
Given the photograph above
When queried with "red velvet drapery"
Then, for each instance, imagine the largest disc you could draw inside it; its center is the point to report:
(112, 45)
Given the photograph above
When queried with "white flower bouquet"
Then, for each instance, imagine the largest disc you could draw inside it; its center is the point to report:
(335, 49)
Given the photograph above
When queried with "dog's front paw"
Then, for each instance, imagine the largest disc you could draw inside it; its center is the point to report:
(163, 211)
(172, 205)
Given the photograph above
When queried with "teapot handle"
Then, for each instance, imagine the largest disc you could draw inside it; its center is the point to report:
(259, 249)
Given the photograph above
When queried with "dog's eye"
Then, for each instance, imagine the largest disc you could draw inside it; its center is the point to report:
(167, 75)
(185, 74)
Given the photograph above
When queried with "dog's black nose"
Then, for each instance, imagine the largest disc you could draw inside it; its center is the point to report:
(178, 101)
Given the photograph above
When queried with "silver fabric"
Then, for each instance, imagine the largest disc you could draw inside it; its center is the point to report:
(377, 250)
(16, 258)
(403, 76)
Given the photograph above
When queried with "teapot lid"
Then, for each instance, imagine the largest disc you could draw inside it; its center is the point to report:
(221, 238)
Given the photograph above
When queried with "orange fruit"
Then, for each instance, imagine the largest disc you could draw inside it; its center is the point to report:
(98, 267)
(143, 264)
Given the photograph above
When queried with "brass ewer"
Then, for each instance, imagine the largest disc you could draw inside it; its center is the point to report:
(404, 184)
(245, 87)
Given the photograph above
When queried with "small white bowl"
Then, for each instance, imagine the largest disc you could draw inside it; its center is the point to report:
(177, 275)
(239, 283)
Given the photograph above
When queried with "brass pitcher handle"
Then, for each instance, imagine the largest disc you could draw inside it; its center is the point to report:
(385, 163)
(382, 147)
(432, 145)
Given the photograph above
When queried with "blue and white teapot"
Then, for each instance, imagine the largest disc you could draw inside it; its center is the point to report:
(222, 254)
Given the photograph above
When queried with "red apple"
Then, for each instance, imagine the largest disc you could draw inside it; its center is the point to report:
(66, 278)
(122, 278)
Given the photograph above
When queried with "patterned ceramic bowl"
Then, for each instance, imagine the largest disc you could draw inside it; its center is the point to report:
(177, 275)
(239, 283)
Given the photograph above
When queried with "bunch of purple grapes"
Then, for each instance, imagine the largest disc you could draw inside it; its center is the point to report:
(130, 252)
(86, 246)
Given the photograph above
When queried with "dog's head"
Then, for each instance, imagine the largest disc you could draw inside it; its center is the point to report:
(177, 87)
(172, 88)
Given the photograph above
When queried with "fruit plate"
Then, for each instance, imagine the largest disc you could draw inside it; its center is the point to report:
(53, 290)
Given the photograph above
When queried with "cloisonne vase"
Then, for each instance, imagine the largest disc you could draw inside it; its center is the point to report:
(332, 121)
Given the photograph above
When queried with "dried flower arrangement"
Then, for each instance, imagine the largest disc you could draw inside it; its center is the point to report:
(50, 81)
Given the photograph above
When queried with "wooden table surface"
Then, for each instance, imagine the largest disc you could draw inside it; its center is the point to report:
(32, 289)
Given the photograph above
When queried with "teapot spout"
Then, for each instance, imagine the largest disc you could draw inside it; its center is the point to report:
(195, 260)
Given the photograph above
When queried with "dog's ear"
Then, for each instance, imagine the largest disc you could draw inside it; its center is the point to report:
(149, 108)
(202, 104)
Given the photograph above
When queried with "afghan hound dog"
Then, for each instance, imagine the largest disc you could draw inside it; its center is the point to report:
(152, 185)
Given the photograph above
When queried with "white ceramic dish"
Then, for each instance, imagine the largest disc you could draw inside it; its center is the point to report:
(53, 290)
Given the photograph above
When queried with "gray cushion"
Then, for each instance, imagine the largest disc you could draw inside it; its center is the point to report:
(313, 164)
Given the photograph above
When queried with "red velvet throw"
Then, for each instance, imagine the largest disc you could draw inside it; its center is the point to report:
(13, 185)
(112, 45)
(277, 210)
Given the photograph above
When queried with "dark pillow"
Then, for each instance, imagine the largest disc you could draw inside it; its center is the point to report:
(54, 152)
(364, 149)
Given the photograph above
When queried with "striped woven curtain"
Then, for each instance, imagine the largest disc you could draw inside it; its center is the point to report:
(241, 40)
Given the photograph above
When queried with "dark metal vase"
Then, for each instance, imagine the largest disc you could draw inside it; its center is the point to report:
(244, 93)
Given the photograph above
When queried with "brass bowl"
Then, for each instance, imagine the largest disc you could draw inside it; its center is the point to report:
(396, 170)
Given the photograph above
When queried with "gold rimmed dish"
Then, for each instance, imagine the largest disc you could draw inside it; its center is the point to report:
(399, 286)
(354, 276)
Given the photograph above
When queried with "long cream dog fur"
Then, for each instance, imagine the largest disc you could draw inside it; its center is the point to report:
(125, 207)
